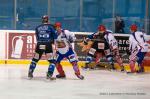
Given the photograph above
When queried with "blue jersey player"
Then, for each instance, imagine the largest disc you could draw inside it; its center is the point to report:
(45, 35)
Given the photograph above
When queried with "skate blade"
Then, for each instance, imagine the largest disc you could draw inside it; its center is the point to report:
(52, 78)
(30, 78)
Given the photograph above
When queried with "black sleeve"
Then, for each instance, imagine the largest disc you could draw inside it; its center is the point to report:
(36, 34)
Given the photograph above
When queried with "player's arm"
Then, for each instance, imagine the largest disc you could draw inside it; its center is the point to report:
(92, 36)
(53, 34)
(130, 45)
(112, 41)
(36, 35)
(70, 36)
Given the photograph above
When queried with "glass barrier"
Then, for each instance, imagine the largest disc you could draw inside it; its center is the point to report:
(76, 15)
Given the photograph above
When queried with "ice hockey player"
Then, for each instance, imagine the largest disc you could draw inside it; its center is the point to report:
(65, 50)
(111, 45)
(138, 48)
(99, 48)
(45, 35)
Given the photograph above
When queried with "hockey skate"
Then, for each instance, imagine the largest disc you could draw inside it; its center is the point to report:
(79, 76)
(30, 74)
(61, 76)
(49, 76)
(141, 70)
(85, 68)
(122, 69)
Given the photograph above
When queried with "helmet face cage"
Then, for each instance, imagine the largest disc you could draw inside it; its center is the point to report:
(45, 19)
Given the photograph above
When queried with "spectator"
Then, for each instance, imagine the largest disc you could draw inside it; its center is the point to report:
(119, 25)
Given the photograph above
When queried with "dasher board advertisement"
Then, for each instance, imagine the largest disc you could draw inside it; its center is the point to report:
(123, 43)
(21, 45)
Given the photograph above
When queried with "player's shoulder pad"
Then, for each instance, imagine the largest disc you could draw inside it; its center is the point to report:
(139, 32)
(39, 26)
(67, 32)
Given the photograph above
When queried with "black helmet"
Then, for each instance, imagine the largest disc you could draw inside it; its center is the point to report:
(45, 19)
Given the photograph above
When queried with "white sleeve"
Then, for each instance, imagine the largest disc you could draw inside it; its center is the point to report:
(130, 42)
(111, 38)
(70, 36)
(146, 37)
(112, 41)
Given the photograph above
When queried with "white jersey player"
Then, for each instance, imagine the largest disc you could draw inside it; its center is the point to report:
(111, 40)
(64, 40)
(65, 50)
(113, 44)
(138, 48)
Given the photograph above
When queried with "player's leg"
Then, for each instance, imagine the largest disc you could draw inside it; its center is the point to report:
(110, 61)
(132, 66)
(60, 71)
(89, 59)
(38, 53)
(72, 58)
(118, 59)
(50, 58)
(33, 64)
(109, 58)
(98, 57)
(59, 67)
(140, 57)
(132, 60)
(51, 67)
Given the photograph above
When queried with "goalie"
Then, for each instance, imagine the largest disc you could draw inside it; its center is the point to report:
(108, 47)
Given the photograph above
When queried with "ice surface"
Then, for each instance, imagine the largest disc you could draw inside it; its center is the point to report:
(98, 84)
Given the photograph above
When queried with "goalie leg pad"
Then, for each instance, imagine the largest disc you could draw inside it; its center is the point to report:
(89, 59)
(111, 61)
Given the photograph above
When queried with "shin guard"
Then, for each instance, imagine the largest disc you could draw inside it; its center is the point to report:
(60, 69)
(132, 66)
(75, 68)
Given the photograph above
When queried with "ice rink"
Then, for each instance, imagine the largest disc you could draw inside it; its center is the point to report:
(98, 84)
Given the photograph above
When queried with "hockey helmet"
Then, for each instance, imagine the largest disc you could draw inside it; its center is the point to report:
(57, 24)
(101, 28)
(133, 27)
(45, 18)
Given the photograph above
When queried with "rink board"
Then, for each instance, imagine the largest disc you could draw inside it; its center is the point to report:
(64, 63)
(23, 53)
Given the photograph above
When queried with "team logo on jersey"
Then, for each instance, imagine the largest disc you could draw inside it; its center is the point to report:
(60, 44)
